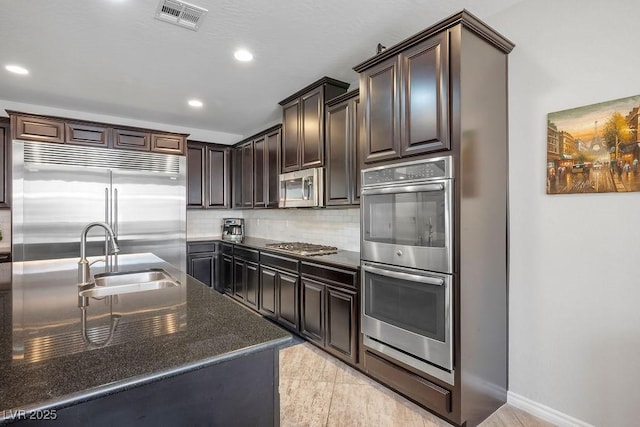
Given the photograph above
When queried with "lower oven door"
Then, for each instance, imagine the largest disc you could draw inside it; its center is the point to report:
(408, 314)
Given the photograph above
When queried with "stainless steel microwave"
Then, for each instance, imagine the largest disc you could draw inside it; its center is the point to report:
(301, 189)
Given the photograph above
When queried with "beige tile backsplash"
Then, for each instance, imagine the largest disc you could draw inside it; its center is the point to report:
(5, 227)
(335, 227)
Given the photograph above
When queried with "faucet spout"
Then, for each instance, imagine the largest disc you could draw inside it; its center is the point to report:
(83, 265)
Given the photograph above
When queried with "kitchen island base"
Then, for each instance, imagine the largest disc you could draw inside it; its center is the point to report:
(240, 391)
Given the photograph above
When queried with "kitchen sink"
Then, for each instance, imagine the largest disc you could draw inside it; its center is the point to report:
(127, 282)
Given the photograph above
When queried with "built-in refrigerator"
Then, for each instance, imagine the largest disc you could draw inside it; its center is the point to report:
(58, 189)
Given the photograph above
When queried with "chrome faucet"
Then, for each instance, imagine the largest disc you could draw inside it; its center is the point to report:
(84, 273)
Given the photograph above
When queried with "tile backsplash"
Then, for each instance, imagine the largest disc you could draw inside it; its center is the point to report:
(5, 227)
(335, 227)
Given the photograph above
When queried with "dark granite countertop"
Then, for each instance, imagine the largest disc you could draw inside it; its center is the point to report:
(343, 258)
(47, 362)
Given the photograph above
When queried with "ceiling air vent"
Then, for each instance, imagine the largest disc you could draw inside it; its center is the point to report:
(180, 13)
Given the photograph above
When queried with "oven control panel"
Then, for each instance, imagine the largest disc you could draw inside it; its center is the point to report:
(421, 170)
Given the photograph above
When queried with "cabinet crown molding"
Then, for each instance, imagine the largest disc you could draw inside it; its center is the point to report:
(322, 81)
(465, 18)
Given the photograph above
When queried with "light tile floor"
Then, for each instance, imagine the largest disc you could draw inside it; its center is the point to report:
(317, 389)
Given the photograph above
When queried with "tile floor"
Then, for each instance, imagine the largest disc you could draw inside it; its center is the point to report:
(317, 389)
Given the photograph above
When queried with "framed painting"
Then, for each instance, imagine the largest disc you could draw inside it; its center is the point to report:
(594, 148)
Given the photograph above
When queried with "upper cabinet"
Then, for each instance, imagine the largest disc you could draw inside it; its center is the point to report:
(342, 165)
(256, 169)
(303, 124)
(208, 176)
(405, 102)
(30, 127)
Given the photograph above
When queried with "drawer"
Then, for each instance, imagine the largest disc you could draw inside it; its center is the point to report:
(199, 247)
(334, 275)
(280, 262)
(226, 248)
(417, 388)
(246, 254)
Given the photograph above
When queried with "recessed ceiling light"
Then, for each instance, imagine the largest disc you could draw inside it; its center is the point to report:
(195, 103)
(17, 69)
(243, 55)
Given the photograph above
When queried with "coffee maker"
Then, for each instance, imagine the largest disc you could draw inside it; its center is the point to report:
(233, 229)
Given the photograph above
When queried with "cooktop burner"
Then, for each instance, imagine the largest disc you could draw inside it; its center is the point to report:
(301, 248)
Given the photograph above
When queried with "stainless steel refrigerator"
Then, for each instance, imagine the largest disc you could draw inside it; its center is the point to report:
(58, 189)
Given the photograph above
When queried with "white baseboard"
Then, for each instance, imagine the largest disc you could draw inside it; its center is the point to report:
(541, 411)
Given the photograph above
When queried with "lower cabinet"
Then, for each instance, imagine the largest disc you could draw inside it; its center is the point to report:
(329, 317)
(245, 276)
(226, 274)
(202, 261)
(279, 289)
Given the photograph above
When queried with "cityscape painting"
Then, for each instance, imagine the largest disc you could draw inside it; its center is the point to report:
(595, 148)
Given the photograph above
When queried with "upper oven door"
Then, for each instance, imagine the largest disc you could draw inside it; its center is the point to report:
(409, 225)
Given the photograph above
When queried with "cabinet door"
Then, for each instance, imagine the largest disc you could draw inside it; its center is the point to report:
(252, 285)
(272, 168)
(5, 165)
(424, 96)
(202, 267)
(131, 139)
(85, 134)
(167, 143)
(247, 175)
(259, 181)
(37, 129)
(236, 155)
(342, 324)
(339, 142)
(381, 103)
(291, 136)
(217, 178)
(312, 313)
(268, 292)
(312, 128)
(195, 175)
(226, 274)
(239, 279)
(288, 300)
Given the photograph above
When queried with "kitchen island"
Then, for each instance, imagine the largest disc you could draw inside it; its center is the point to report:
(179, 355)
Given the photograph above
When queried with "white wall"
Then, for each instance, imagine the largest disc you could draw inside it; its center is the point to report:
(333, 227)
(574, 276)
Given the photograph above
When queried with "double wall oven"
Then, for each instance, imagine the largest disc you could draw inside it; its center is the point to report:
(407, 263)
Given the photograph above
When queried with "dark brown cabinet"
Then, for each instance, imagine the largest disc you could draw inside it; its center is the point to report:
(303, 117)
(243, 176)
(246, 276)
(343, 166)
(265, 168)
(202, 261)
(30, 127)
(329, 309)
(208, 176)
(5, 164)
(406, 102)
(87, 134)
(226, 274)
(35, 128)
(279, 289)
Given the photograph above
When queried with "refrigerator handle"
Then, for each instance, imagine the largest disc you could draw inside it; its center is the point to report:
(115, 212)
(108, 221)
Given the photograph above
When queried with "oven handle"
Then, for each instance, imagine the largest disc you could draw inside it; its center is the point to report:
(403, 189)
(404, 276)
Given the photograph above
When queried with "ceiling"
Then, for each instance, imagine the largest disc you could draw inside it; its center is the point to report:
(112, 57)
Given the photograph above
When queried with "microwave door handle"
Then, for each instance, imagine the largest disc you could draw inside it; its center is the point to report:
(404, 276)
(305, 195)
(403, 189)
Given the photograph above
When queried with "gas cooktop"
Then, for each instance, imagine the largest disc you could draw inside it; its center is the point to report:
(301, 248)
